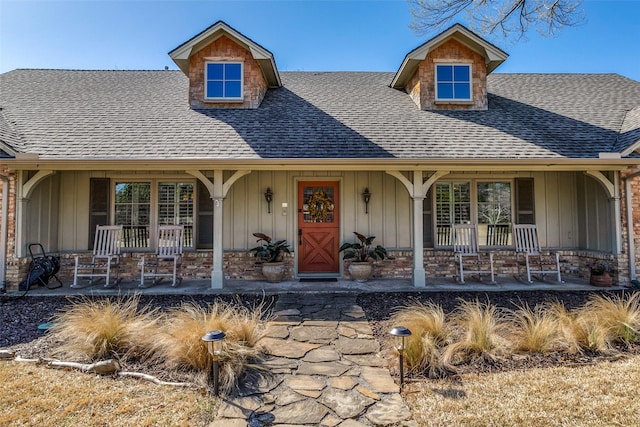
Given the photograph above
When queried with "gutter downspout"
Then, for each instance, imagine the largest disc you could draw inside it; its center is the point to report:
(3, 233)
(630, 233)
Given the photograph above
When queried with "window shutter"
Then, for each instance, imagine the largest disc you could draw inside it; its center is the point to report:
(525, 196)
(205, 218)
(99, 197)
(427, 219)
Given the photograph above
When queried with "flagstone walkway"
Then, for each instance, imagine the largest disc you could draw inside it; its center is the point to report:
(325, 370)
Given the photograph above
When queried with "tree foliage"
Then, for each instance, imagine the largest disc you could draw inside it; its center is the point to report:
(502, 17)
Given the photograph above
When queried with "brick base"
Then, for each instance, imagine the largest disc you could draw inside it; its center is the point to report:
(243, 266)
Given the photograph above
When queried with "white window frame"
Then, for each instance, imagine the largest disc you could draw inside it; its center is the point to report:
(436, 81)
(154, 208)
(223, 98)
(473, 206)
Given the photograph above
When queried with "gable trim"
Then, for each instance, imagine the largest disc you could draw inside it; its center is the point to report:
(630, 125)
(181, 54)
(493, 55)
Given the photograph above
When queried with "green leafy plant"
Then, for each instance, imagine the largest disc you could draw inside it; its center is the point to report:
(363, 250)
(599, 267)
(270, 251)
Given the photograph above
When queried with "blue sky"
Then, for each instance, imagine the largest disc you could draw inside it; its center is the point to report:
(304, 35)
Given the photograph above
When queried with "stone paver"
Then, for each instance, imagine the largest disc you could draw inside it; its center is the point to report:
(325, 369)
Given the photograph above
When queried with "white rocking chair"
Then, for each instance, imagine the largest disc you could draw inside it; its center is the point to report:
(465, 247)
(167, 257)
(106, 255)
(529, 254)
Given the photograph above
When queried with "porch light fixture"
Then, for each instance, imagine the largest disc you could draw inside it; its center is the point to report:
(400, 333)
(268, 196)
(366, 196)
(214, 341)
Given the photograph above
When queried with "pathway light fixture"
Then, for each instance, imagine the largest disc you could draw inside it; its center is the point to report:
(400, 333)
(214, 340)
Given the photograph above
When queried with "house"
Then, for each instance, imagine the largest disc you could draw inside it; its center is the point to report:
(442, 140)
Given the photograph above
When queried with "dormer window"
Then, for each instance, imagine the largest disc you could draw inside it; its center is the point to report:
(223, 81)
(453, 82)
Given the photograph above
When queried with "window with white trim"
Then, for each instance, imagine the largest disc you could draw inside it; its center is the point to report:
(223, 81)
(140, 206)
(486, 203)
(453, 82)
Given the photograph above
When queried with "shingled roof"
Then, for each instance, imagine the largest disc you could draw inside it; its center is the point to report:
(82, 115)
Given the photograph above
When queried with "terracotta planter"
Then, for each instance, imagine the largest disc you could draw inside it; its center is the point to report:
(274, 271)
(601, 280)
(360, 271)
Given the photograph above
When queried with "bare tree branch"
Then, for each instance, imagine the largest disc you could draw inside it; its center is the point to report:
(503, 17)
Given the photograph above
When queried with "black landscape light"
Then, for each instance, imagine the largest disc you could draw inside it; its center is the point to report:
(214, 346)
(400, 333)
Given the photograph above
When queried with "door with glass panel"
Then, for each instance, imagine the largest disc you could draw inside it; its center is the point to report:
(318, 227)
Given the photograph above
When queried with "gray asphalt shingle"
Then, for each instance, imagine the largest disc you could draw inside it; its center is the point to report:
(145, 115)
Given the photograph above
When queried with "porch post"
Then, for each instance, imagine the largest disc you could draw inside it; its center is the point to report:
(418, 245)
(21, 203)
(217, 273)
(617, 211)
(417, 195)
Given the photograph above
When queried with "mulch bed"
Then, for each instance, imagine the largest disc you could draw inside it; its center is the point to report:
(20, 317)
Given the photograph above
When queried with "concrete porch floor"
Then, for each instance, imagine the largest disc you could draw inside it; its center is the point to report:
(203, 286)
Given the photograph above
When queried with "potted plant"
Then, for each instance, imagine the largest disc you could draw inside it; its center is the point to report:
(600, 274)
(362, 253)
(271, 254)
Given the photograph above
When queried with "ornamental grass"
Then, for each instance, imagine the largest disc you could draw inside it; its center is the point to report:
(103, 328)
(534, 330)
(178, 344)
(620, 314)
(430, 333)
(480, 332)
(581, 330)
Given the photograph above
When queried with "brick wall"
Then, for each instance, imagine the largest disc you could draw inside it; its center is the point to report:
(12, 265)
(421, 86)
(635, 206)
(240, 265)
(224, 49)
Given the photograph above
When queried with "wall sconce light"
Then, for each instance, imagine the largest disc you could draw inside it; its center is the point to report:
(268, 196)
(400, 333)
(214, 346)
(366, 196)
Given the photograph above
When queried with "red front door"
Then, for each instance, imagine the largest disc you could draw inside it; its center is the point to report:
(318, 227)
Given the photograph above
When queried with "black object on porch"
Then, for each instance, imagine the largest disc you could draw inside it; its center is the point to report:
(41, 269)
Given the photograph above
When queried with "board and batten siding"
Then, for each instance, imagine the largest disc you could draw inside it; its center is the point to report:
(42, 214)
(571, 209)
(245, 212)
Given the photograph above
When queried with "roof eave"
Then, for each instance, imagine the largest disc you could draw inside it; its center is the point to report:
(338, 164)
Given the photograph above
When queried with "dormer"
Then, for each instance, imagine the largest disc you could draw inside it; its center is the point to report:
(449, 72)
(226, 69)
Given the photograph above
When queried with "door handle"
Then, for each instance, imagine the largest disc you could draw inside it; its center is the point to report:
(299, 236)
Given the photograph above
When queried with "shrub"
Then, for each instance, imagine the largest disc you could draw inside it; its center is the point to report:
(423, 350)
(482, 330)
(581, 329)
(534, 330)
(179, 345)
(619, 314)
(104, 327)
